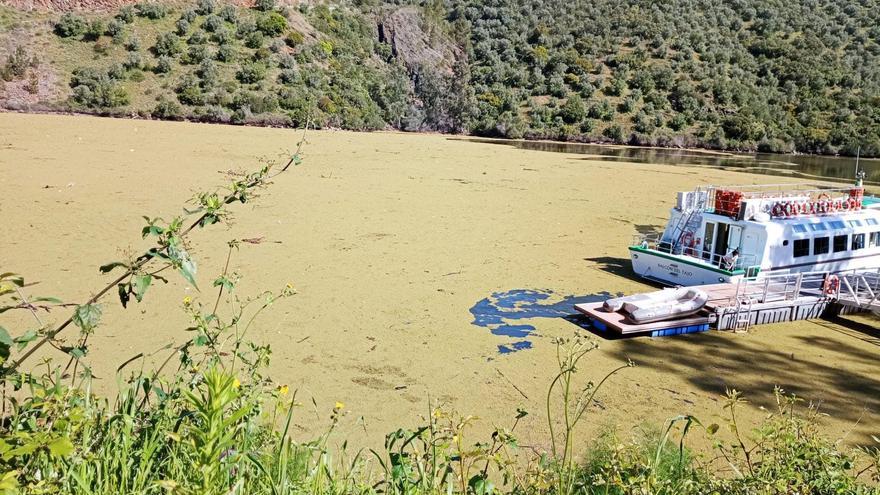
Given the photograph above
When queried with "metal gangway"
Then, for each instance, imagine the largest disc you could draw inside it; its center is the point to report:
(859, 289)
(792, 296)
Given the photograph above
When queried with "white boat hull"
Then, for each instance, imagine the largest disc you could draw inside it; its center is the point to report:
(674, 271)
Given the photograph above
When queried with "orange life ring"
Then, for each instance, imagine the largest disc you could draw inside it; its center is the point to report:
(822, 206)
(853, 204)
(835, 205)
(790, 209)
(832, 283)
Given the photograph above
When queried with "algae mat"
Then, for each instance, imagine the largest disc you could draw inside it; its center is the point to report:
(426, 268)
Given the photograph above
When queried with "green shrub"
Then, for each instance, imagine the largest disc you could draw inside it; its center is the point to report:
(71, 26)
(206, 7)
(228, 13)
(574, 110)
(223, 36)
(294, 39)
(115, 28)
(272, 24)
(208, 73)
(133, 44)
(151, 10)
(189, 15)
(17, 64)
(126, 14)
(133, 61)
(289, 76)
(96, 89)
(262, 54)
(264, 5)
(197, 38)
(226, 53)
(601, 110)
(167, 44)
(164, 65)
(181, 27)
(251, 72)
(212, 23)
(116, 71)
(95, 30)
(196, 54)
(254, 40)
(614, 133)
(167, 110)
(189, 91)
(244, 27)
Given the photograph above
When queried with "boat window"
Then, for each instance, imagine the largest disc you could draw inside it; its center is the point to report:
(858, 241)
(840, 243)
(801, 247)
(820, 245)
(871, 221)
(837, 224)
(817, 227)
(875, 240)
(855, 223)
(799, 228)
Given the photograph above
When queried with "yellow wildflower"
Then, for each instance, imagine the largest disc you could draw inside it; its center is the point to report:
(339, 406)
(283, 389)
(236, 383)
(187, 301)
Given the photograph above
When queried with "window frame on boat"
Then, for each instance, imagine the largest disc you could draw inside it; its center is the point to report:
(818, 226)
(874, 239)
(837, 224)
(840, 243)
(858, 241)
(801, 247)
(821, 245)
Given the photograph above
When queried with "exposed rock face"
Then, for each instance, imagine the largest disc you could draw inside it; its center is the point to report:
(411, 44)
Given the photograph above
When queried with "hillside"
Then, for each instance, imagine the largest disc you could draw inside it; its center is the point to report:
(744, 75)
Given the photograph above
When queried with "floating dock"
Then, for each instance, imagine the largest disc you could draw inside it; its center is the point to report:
(771, 299)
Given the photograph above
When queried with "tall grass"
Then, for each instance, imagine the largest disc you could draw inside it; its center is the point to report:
(208, 420)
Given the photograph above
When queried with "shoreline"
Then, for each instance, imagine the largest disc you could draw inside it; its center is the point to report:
(511, 141)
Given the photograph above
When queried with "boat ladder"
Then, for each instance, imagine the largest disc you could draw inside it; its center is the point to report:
(690, 219)
(742, 318)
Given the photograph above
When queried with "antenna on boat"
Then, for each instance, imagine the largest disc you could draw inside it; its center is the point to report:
(860, 174)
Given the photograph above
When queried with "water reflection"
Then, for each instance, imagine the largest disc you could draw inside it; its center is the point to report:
(813, 167)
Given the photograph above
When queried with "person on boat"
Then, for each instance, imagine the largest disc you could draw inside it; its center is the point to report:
(729, 261)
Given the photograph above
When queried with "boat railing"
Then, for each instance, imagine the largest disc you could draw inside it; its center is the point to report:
(655, 242)
(781, 286)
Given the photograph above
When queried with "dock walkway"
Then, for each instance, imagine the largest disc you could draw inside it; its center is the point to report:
(770, 299)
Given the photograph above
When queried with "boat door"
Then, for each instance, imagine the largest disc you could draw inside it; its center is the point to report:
(708, 240)
(734, 238)
(721, 239)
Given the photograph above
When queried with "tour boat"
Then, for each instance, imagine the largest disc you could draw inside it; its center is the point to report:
(723, 234)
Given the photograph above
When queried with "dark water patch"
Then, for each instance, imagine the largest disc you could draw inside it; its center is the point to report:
(811, 167)
(502, 313)
(516, 346)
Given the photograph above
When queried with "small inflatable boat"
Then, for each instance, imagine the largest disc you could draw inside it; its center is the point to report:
(662, 305)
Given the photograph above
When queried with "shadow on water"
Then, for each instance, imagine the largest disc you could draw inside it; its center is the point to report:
(714, 362)
(811, 167)
(503, 313)
(622, 267)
